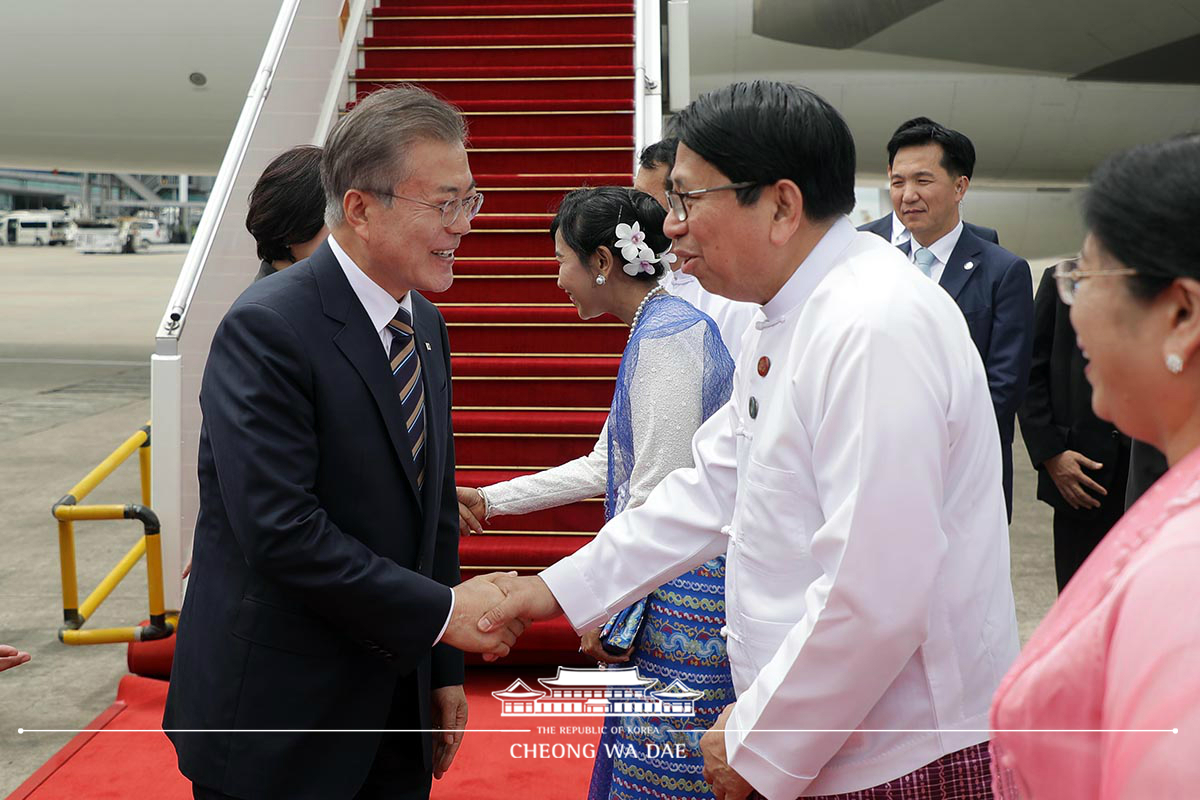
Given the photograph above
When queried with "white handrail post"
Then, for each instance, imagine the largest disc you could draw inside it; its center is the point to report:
(338, 92)
(647, 82)
(679, 57)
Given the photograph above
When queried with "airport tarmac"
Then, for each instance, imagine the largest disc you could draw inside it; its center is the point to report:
(76, 335)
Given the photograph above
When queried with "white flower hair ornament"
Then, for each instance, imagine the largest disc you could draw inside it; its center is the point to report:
(639, 258)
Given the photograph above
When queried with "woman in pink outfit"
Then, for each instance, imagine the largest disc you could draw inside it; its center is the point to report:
(1118, 657)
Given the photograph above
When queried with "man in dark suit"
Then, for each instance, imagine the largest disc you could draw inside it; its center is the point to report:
(929, 171)
(326, 544)
(1081, 460)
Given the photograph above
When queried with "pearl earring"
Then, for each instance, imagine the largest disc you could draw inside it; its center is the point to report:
(600, 280)
(1174, 364)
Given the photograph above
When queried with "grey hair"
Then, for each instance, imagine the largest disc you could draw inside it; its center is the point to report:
(366, 149)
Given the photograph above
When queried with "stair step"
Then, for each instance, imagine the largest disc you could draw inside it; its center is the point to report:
(516, 71)
(527, 316)
(521, 450)
(516, 40)
(558, 394)
(541, 21)
(572, 423)
(564, 182)
(540, 339)
(602, 158)
(526, 551)
(467, 366)
(528, 194)
(513, 243)
(405, 8)
(408, 57)
(561, 393)
(541, 289)
(456, 90)
(468, 267)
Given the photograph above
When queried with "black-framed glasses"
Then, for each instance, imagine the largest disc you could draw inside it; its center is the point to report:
(1067, 276)
(451, 209)
(676, 200)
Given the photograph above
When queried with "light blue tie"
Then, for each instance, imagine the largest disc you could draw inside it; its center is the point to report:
(925, 260)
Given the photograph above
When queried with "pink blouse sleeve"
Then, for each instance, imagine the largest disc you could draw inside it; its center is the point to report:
(1152, 679)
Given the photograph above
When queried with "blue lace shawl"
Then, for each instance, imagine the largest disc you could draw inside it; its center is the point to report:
(664, 315)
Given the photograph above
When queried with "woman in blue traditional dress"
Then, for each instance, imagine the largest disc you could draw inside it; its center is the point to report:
(675, 372)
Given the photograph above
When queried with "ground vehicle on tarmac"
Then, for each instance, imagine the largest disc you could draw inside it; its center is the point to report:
(150, 231)
(37, 228)
(107, 236)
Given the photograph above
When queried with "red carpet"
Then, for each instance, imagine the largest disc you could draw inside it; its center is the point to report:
(115, 766)
(141, 766)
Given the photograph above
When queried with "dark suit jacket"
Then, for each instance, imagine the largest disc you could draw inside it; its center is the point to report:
(320, 573)
(1057, 413)
(883, 227)
(994, 289)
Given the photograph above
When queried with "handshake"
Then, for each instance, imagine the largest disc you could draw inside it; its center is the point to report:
(491, 611)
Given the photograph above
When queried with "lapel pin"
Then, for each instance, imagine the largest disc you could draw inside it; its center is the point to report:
(968, 265)
(427, 347)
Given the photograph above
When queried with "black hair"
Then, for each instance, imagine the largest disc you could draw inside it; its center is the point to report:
(588, 220)
(958, 154)
(912, 123)
(659, 154)
(1143, 205)
(287, 205)
(767, 131)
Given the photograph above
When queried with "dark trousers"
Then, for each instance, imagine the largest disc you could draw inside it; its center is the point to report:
(398, 772)
(1076, 537)
(1077, 534)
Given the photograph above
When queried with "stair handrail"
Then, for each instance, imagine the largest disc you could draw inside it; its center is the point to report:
(176, 314)
(647, 82)
(340, 93)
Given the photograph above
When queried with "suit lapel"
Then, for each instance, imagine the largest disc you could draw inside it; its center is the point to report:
(359, 342)
(963, 263)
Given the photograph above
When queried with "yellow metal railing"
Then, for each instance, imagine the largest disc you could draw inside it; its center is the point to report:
(68, 511)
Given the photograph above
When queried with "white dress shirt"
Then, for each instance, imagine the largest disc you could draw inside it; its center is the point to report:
(732, 317)
(900, 234)
(941, 249)
(381, 309)
(855, 489)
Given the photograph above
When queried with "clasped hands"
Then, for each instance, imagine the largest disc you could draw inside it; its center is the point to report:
(491, 611)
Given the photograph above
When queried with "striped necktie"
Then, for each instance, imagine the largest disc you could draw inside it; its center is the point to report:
(406, 369)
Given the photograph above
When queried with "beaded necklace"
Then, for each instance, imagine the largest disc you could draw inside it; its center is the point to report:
(657, 290)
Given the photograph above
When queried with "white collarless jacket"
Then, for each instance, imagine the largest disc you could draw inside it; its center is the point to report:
(853, 481)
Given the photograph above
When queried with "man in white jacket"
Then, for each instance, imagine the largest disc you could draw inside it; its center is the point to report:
(852, 481)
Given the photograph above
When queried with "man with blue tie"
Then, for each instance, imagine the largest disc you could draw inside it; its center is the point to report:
(929, 172)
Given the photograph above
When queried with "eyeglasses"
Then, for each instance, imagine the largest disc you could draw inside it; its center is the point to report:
(451, 209)
(676, 199)
(1068, 275)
